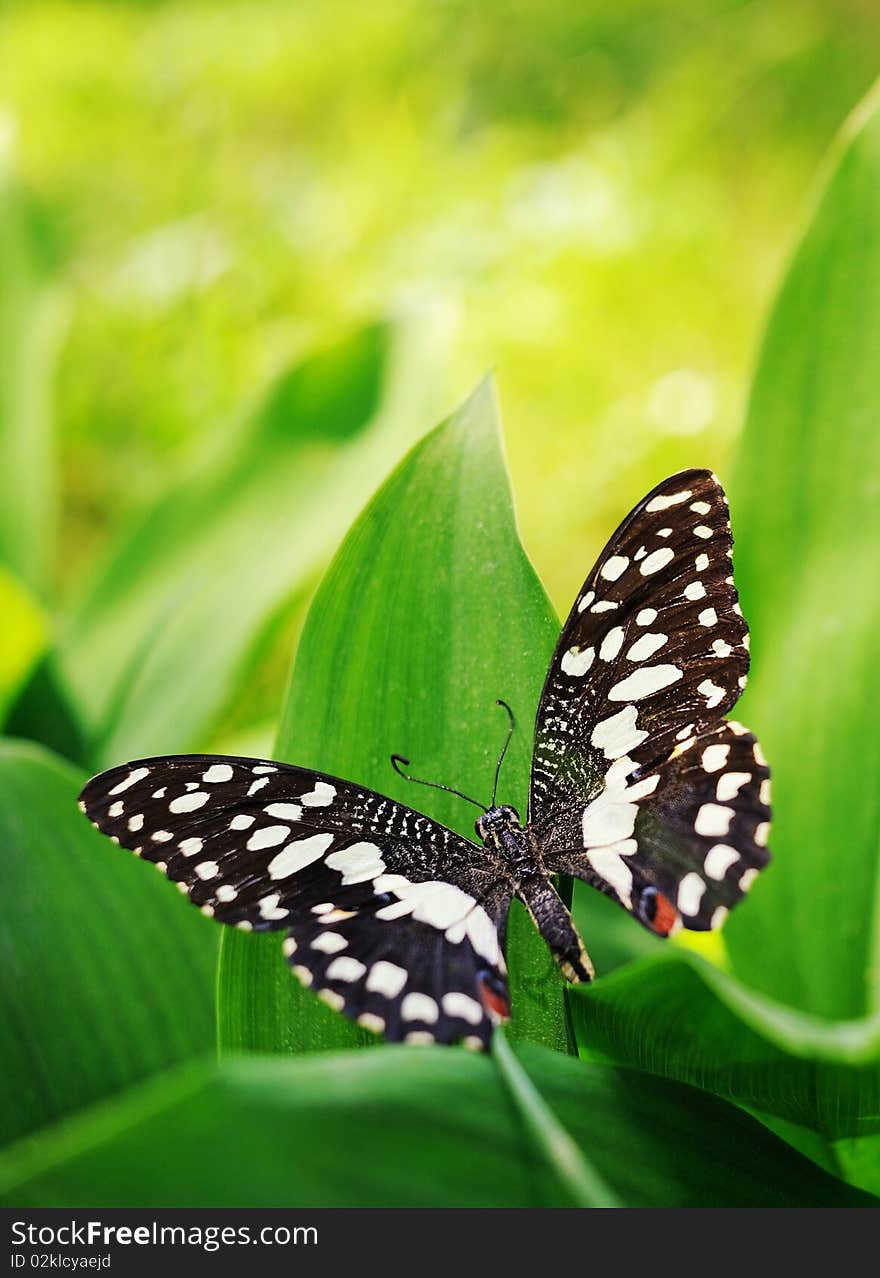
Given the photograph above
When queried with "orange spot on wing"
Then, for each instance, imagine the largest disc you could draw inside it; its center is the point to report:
(495, 1003)
(666, 916)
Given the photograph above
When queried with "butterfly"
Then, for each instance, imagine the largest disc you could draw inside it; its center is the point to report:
(639, 786)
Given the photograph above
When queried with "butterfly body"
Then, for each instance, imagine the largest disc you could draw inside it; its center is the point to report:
(520, 855)
(639, 786)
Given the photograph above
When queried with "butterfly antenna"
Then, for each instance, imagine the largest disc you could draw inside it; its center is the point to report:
(398, 759)
(510, 732)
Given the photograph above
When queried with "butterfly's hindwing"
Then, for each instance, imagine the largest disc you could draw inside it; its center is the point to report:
(680, 844)
(654, 653)
(391, 916)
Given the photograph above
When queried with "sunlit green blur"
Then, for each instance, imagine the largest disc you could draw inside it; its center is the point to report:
(595, 199)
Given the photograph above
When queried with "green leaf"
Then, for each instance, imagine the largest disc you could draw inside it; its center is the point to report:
(106, 975)
(33, 319)
(683, 1018)
(407, 1127)
(429, 612)
(157, 647)
(807, 519)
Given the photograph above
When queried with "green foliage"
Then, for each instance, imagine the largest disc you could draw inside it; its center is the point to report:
(794, 1031)
(263, 508)
(104, 978)
(408, 1127)
(429, 612)
(696, 1085)
(806, 492)
(32, 319)
(679, 1016)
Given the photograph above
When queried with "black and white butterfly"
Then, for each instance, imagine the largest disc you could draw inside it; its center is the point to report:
(639, 786)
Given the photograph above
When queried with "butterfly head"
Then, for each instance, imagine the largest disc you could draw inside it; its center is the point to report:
(489, 825)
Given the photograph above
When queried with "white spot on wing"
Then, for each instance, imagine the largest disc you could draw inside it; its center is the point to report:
(711, 691)
(617, 735)
(646, 617)
(656, 560)
(461, 1005)
(646, 646)
(713, 821)
(189, 802)
(269, 907)
(576, 662)
(663, 503)
(329, 942)
(218, 772)
(286, 811)
(714, 757)
(612, 644)
(419, 1007)
(694, 590)
(321, 797)
(690, 894)
(719, 860)
(296, 856)
(207, 870)
(644, 682)
(132, 779)
(730, 784)
(386, 978)
(190, 847)
(345, 968)
(615, 567)
(269, 837)
(357, 863)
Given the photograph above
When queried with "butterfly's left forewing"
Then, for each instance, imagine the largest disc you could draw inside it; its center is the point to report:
(393, 919)
(639, 785)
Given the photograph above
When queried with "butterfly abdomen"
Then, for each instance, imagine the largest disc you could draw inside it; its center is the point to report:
(554, 922)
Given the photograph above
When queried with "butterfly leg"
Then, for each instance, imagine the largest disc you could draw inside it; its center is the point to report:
(554, 922)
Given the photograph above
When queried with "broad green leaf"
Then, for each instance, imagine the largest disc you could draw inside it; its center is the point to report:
(157, 647)
(807, 519)
(683, 1018)
(33, 314)
(429, 612)
(106, 976)
(407, 1127)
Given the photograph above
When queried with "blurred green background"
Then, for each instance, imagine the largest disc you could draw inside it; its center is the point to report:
(594, 198)
(249, 253)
